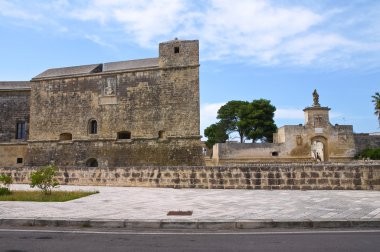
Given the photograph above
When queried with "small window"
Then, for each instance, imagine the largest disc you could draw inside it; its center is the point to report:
(92, 162)
(20, 130)
(20, 160)
(65, 137)
(124, 135)
(93, 127)
(161, 134)
(176, 49)
(274, 154)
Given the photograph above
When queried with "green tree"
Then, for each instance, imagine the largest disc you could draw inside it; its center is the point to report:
(376, 101)
(233, 115)
(44, 179)
(250, 120)
(260, 121)
(215, 133)
(5, 182)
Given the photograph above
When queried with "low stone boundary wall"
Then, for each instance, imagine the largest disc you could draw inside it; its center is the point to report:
(358, 176)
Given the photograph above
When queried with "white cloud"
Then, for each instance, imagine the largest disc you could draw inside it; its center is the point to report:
(260, 32)
(145, 20)
(97, 40)
(251, 28)
(9, 9)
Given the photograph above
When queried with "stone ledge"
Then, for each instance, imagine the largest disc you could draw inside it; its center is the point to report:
(191, 224)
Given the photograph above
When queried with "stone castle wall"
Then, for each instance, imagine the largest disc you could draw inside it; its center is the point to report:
(14, 107)
(366, 141)
(111, 153)
(157, 106)
(301, 176)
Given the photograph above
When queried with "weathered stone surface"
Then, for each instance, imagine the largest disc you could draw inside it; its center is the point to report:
(154, 103)
(215, 177)
(14, 109)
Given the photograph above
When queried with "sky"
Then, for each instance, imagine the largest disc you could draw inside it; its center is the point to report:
(280, 50)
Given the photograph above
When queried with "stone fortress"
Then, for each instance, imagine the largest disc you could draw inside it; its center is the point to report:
(138, 112)
(315, 140)
(136, 123)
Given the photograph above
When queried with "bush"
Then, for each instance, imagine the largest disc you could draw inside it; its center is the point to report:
(4, 191)
(44, 179)
(5, 180)
(373, 154)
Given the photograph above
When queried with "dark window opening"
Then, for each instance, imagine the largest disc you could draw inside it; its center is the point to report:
(176, 49)
(65, 137)
(92, 162)
(124, 135)
(274, 154)
(161, 134)
(20, 130)
(20, 160)
(93, 127)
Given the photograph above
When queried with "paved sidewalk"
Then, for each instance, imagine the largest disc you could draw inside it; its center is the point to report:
(123, 205)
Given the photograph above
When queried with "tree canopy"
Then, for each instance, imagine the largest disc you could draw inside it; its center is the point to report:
(251, 120)
(216, 133)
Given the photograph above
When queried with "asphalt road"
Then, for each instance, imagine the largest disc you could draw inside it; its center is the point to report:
(12, 240)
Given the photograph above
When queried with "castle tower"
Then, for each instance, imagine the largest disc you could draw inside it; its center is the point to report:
(179, 53)
(316, 116)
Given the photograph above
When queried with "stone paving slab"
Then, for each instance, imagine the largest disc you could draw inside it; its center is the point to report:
(128, 206)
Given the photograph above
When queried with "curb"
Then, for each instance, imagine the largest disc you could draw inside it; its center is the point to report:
(189, 224)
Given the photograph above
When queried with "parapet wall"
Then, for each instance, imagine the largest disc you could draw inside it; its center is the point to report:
(357, 176)
(366, 141)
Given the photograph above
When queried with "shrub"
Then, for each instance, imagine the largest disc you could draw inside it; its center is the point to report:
(4, 191)
(373, 154)
(44, 179)
(5, 180)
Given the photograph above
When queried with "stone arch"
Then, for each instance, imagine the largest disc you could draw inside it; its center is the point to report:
(319, 149)
(92, 162)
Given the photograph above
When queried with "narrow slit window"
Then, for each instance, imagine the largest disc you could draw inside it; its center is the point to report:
(93, 127)
(176, 49)
(20, 130)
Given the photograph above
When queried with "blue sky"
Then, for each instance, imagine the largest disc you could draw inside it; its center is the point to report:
(274, 49)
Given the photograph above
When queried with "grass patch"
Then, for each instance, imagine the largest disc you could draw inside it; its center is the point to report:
(39, 196)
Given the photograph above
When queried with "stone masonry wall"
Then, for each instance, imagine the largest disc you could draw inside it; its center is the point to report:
(14, 107)
(357, 176)
(157, 107)
(364, 141)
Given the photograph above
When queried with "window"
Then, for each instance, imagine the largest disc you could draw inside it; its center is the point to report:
(20, 160)
(161, 134)
(20, 130)
(65, 137)
(92, 162)
(124, 135)
(176, 49)
(93, 127)
(274, 154)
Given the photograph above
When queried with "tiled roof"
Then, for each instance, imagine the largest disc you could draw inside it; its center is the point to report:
(96, 68)
(130, 64)
(55, 72)
(14, 85)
